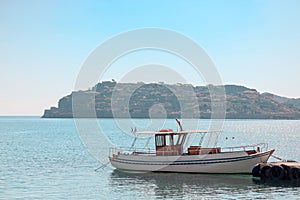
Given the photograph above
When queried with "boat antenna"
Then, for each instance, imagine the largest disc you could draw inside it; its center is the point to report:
(179, 124)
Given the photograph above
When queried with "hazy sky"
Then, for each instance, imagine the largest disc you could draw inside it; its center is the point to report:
(44, 43)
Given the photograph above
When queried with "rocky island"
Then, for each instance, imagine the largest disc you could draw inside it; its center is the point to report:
(241, 102)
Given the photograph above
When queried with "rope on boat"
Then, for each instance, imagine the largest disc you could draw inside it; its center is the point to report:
(103, 166)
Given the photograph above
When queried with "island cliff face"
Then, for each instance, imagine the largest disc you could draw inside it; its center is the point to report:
(241, 102)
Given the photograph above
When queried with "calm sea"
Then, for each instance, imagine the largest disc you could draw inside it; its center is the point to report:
(46, 159)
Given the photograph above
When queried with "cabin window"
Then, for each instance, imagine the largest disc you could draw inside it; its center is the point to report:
(160, 140)
(172, 140)
(180, 139)
(169, 141)
(175, 139)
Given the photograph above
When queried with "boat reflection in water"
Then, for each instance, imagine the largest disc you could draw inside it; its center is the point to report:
(187, 185)
(180, 185)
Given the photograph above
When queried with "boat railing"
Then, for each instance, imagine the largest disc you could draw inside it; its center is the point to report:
(257, 147)
(129, 150)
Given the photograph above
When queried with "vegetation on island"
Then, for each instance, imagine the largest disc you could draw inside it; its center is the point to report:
(241, 102)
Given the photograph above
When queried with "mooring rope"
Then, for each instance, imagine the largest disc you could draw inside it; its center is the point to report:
(283, 160)
(278, 158)
(103, 166)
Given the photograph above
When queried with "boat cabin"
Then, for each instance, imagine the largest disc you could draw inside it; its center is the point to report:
(169, 143)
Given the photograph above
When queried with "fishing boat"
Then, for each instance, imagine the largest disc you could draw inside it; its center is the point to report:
(170, 155)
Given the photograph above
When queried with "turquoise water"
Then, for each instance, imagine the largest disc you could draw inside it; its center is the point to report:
(46, 159)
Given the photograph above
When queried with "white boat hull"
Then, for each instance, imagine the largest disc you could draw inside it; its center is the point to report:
(220, 163)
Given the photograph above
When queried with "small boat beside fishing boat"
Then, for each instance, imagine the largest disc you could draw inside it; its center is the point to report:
(170, 155)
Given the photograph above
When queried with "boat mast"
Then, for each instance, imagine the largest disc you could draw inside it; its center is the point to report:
(133, 131)
(179, 124)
